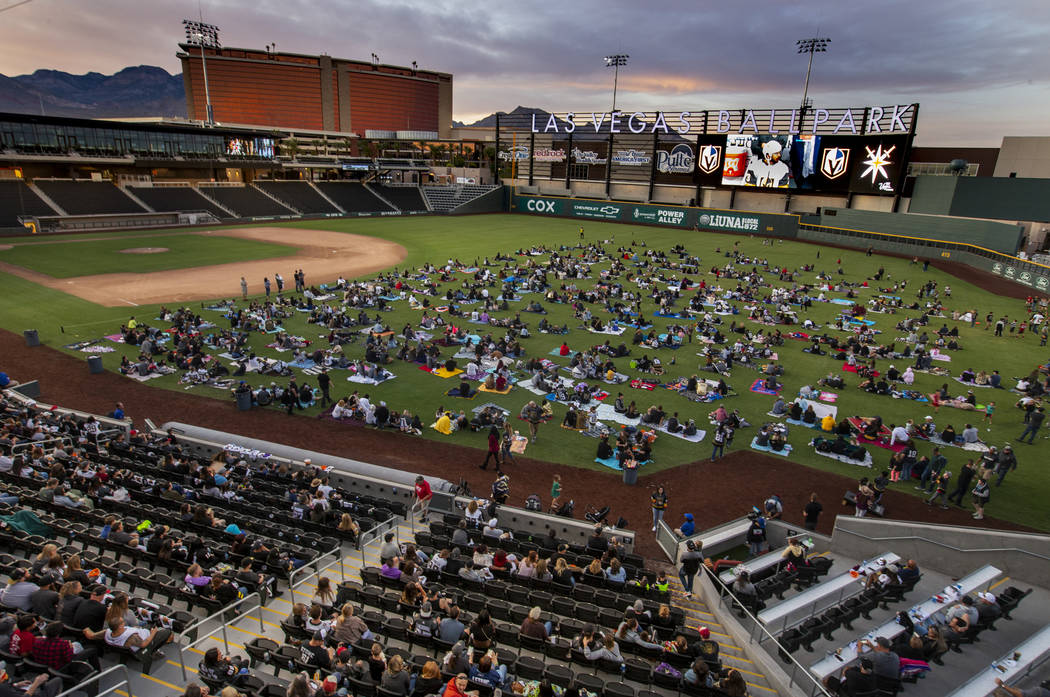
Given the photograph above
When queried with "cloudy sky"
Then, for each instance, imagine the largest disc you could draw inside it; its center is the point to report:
(980, 70)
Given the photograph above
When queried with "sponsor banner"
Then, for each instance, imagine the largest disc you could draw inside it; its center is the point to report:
(654, 215)
(676, 160)
(583, 156)
(549, 155)
(736, 222)
(631, 158)
(548, 206)
(597, 210)
(710, 159)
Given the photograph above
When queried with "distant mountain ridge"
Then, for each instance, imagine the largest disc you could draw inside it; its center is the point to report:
(143, 90)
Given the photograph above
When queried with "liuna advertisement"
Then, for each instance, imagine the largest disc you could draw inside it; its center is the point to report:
(670, 216)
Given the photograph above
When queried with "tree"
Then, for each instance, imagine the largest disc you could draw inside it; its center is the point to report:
(347, 142)
(320, 147)
(290, 147)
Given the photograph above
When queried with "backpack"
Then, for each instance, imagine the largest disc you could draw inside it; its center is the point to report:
(533, 503)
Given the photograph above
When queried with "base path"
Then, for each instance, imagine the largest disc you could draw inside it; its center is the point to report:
(322, 255)
(713, 492)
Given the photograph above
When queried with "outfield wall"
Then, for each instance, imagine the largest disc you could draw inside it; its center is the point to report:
(683, 217)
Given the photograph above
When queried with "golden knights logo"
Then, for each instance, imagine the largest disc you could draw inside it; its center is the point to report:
(834, 162)
(710, 159)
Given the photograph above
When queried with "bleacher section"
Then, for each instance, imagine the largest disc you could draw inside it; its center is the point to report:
(819, 610)
(88, 197)
(169, 199)
(246, 201)
(17, 199)
(352, 197)
(406, 198)
(270, 641)
(300, 195)
(445, 198)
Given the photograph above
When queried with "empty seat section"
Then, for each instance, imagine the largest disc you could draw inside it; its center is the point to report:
(89, 197)
(406, 198)
(17, 199)
(299, 195)
(446, 198)
(245, 201)
(353, 197)
(168, 199)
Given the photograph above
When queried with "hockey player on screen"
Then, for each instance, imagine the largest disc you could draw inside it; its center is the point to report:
(768, 172)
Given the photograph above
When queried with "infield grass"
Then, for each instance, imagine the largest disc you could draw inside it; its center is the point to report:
(436, 239)
(93, 256)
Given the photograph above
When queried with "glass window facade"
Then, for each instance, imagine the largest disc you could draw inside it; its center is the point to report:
(106, 139)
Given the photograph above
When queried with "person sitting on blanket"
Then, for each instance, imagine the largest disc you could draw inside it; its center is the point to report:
(770, 383)
(807, 392)
(690, 428)
(673, 426)
(653, 415)
(444, 423)
(570, 417)
(779, 407)
(474, 371)
(871, 426)
(464, 389)
(827, 423)
(632, 411)
(718, 415)
(810, 416)
(893, 374)
(618, 406)
(563, 350)
(795, 411)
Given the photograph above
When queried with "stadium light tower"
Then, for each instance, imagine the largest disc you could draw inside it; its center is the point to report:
(205, 36)
(810, 46)
(615, 61)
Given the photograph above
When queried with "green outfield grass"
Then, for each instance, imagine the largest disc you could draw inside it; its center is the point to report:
(98, 256)
(436, 239)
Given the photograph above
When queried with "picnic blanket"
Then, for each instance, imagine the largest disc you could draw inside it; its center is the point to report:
(766, 449)
(758, 387)
(969, 384)
(853, 369)
(643, 384)
(144, 378)
(821, 410)
(977, 447)
(606, 412)
(618, 378)
(616, 332)
(695, 438)
(882, 441)
(849, 461)
(116, 338)
(454, 392)
(828, 397)
(842, 301)
(507, 390)
(442, 373)
(614, 464)
(672, 315)
(369, 381)
(489, 405)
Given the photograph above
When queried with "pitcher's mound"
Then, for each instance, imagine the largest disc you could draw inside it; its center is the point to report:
(144, 250)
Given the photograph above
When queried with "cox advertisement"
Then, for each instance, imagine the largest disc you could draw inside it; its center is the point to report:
(775, 224)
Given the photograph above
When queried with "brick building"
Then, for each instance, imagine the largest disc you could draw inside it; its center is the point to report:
(295, 91)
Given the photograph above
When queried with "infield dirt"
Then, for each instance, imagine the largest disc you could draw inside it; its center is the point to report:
(322, 255)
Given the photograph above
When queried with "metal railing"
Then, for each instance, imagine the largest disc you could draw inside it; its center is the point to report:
(315, 569)
(817, 688)
(223, 623)
(85, 685)
(937, 543)
(30, 444)
(369, 536)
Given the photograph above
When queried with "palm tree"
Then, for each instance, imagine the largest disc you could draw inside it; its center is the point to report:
(347, 142)
(290, 146)
(320, 145)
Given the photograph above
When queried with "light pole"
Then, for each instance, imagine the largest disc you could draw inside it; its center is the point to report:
(810, 46)
(204, 36)
(615, 61)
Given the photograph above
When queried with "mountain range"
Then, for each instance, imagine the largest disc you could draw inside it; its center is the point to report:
(143, 90)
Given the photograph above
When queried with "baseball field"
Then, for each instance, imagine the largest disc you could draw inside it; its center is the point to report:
(76, 291)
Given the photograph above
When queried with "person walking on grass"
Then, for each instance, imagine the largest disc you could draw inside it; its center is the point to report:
(324, 381)
(718, 443)
(658, 501)
(534, 417)
(989, 409)
(1031, 429)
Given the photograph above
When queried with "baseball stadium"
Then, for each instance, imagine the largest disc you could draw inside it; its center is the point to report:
(317, 392)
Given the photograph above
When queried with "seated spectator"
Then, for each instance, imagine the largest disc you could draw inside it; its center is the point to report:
(534, 627)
